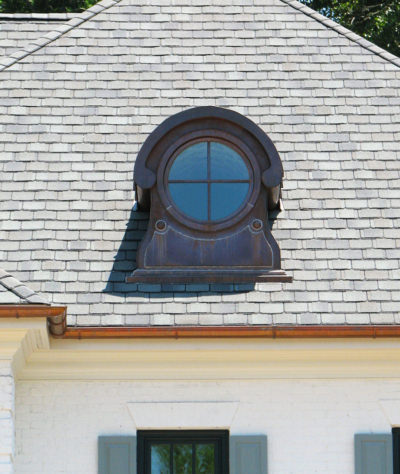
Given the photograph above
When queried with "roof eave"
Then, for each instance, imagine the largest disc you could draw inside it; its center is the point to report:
(56, 315)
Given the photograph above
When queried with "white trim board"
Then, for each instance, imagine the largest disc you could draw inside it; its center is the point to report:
(214, 360)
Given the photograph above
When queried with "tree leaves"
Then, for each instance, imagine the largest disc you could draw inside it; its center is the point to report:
(44, 6)
(377, 21)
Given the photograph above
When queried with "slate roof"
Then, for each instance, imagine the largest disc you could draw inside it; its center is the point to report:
(13, 291)
(32, 22)
(17, 30)
(77, 104)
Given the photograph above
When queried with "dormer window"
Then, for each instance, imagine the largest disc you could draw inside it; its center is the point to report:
(208, 177)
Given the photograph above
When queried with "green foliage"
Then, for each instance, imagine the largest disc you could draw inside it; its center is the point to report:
(376, 20)
(44, 6)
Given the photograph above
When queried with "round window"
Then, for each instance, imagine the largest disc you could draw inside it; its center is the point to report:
(209, 181)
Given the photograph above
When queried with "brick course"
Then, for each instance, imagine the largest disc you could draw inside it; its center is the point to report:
(310, 424)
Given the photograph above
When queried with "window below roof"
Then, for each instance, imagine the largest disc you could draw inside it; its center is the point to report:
(183, 452)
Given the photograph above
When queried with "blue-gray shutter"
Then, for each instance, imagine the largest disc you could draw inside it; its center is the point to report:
(248, 454)
(373, 454)
(117, 454)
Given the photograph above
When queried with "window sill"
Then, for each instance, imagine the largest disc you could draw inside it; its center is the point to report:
(231, 275)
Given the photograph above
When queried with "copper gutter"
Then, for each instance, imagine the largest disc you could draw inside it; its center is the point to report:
(56, 315)
(269, 332)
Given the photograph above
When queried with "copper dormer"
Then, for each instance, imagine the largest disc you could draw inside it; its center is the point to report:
(208, 176)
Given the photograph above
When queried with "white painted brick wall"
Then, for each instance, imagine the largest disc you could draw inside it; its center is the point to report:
(7, 432)
(310, 423)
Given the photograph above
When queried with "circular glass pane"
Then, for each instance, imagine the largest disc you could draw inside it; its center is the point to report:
(208, 181)
(226, 198)
(191, 164)
(226, 164)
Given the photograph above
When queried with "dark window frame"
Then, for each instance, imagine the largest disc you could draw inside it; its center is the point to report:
(146, 437)
(211, 224)
(396, 450)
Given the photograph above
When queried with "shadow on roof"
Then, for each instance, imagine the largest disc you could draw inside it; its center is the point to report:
(125, 264)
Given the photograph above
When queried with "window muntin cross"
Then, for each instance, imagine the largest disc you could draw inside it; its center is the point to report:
(209, 181)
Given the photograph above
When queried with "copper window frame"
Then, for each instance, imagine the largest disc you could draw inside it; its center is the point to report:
(208, 135)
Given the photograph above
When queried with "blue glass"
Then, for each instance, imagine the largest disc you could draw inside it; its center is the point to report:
(160, 459)
(191, 199)
(191, 164)
(205, 459)
(226, 163)
(183, 459)
(226, 198)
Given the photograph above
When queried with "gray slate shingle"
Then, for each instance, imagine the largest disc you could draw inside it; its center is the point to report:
(13, 291)
(17, 30)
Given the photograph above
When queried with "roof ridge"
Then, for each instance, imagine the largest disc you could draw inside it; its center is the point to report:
(80, 18)
(36, 16)
(373, 48)
(59, 31)
(20, 289)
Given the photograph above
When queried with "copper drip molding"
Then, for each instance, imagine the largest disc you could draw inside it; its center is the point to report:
(269, 332)
(56, 315)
